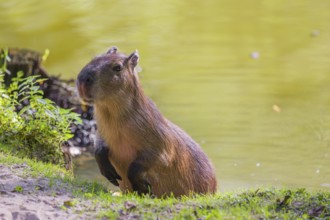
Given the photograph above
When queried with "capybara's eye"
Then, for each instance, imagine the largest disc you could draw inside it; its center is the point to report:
(117, 68)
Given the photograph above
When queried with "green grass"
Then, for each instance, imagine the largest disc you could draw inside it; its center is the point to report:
(267, 203)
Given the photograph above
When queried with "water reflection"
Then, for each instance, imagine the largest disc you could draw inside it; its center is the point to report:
(216, 68)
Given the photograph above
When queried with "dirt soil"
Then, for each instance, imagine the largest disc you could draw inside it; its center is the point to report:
(23, 197)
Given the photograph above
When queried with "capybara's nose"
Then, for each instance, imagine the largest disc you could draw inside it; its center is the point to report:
(87, 79)
(84, 84)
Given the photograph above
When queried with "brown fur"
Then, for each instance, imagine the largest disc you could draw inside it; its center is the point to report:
(135, 130)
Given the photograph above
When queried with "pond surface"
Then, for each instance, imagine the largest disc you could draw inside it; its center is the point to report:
(249, 80)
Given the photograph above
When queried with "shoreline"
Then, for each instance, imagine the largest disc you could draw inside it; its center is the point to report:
(33, 190)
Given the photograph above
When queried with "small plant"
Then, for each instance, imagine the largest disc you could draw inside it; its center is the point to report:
(69, 203)
(18, 189)
(38, 129)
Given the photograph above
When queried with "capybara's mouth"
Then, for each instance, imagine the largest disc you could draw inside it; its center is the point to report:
(84, 97)
(87, 101)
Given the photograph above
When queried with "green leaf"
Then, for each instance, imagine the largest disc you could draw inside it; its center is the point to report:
(42, 101)
(68, 136)
(34, 88)
(23, 110)
(49, 113)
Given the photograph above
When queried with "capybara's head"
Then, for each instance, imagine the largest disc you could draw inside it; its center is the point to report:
(107, 75)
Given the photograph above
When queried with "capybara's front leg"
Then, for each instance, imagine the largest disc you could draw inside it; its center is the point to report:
(104, 164)
(137, 176)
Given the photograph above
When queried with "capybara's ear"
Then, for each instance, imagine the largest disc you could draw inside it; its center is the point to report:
(133, 59)
(112, 50)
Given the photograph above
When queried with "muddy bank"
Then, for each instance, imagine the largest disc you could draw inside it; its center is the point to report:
(24, 197)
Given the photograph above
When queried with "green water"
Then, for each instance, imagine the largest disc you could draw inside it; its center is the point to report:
(249, 80)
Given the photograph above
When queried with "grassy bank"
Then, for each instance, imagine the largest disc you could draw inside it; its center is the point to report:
(251, 204)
